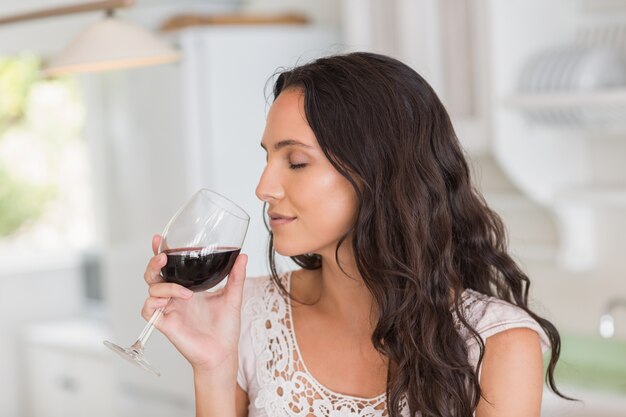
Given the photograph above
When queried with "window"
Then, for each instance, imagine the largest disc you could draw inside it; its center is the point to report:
(45, 198)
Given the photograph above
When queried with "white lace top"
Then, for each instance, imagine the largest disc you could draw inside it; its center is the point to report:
(277, 381)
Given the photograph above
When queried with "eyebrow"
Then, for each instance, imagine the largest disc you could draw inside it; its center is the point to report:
(287, 142)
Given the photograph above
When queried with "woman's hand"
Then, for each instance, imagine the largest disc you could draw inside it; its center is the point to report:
(204, 326)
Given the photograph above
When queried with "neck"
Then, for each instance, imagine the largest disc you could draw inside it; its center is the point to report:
(339, 292)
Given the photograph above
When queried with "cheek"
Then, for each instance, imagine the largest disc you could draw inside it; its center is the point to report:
(325, 203)
(329, 205)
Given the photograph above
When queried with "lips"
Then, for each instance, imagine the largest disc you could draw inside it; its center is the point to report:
(277, 219)
(278, 216)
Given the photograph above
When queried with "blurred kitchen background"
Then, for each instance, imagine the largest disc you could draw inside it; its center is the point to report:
(93, 164)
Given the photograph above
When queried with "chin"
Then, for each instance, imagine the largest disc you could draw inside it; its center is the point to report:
(289, 249)
(286, 251)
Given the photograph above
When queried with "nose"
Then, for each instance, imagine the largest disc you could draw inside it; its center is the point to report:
(269, 187)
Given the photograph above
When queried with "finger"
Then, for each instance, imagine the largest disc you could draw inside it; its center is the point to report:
(169, 290)
(151, 305)
(236, 278)
(156, 241)
(153, 269)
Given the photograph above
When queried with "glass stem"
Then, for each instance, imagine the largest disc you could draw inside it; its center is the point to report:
(148, 329)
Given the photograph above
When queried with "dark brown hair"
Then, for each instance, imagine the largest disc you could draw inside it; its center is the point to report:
(422, 231)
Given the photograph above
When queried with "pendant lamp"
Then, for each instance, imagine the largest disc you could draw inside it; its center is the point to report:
(110, 44)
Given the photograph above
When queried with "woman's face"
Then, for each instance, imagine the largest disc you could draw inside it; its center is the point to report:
(299, 183)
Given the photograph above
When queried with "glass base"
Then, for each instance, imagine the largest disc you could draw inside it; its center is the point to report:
(134, 356)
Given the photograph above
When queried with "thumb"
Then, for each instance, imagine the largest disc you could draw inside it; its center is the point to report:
(156, 241)
(236, 278)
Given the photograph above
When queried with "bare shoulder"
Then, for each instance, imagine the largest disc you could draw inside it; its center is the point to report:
(511, 378)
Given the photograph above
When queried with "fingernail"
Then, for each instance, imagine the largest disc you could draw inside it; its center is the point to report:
(185, 292)
(162, 257)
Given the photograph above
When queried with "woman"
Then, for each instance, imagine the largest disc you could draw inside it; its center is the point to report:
(406, 300)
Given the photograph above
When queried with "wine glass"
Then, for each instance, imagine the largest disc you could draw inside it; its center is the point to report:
(202, 241)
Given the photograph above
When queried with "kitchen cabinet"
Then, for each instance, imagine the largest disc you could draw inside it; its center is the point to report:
(50, 288)
(68, 372)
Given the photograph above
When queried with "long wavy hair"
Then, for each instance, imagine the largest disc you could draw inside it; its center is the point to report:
(422, 231)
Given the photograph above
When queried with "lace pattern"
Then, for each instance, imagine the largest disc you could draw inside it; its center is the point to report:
(472, 306)
(287, 389)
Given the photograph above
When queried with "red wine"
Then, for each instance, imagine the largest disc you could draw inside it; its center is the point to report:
(197, 268)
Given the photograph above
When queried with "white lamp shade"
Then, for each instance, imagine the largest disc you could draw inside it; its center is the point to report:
(111, 44)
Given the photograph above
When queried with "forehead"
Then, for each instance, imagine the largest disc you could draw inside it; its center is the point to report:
(286, 120)
(288, 108)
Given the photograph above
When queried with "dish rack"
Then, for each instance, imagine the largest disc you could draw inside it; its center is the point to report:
(581, 84)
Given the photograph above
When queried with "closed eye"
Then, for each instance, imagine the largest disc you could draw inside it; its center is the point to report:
(296, 166)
